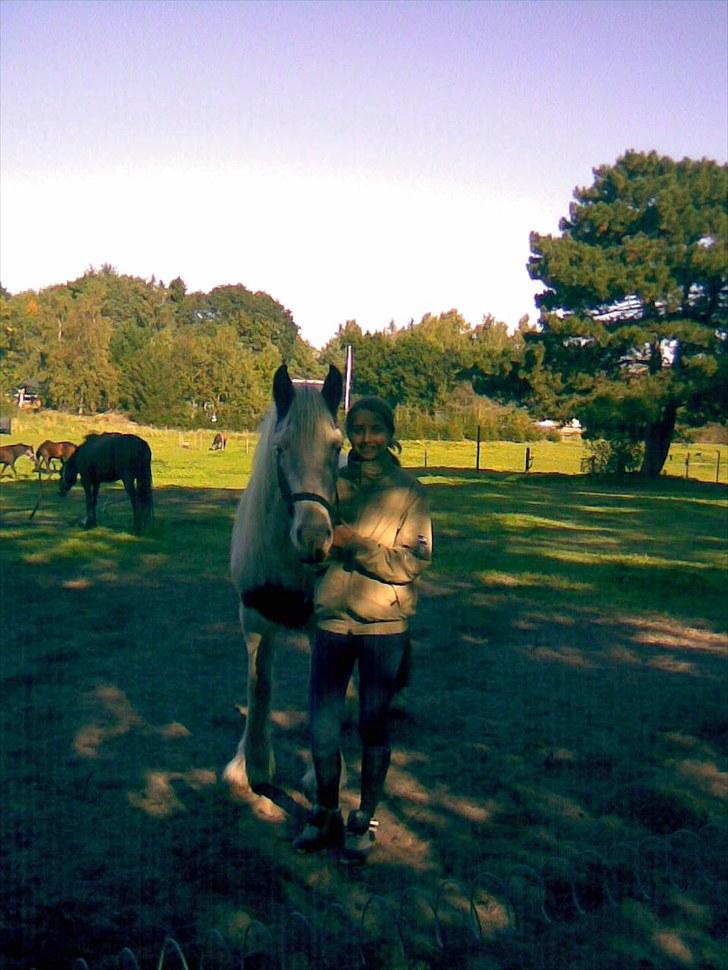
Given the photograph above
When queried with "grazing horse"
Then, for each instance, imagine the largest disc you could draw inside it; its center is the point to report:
(219, 442)
(9, 454)
(109, 457)
(58, 450)
(282, 533)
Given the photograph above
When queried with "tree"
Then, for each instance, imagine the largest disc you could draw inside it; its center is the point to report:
(634, 318)
(77, 368)
(257, 317)
(226, 378)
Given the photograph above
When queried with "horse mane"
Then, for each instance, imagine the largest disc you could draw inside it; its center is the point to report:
(101, 434)
(262, 502)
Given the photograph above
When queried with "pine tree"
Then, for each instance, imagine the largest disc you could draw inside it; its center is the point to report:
(634, 316)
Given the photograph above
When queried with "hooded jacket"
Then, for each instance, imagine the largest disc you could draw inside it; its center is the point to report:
(370, 587)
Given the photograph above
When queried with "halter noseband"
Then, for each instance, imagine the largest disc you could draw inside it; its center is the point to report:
(290, 498)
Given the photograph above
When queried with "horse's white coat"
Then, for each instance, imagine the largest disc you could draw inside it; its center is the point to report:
(276, 544)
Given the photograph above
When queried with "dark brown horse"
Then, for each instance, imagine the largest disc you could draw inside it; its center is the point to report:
(219, 442)
(111, 457)
(53, 450)
(9, 454)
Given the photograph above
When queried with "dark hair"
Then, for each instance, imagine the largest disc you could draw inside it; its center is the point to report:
(382, 410)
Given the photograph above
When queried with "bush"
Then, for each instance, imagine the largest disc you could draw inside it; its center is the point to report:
(460, 421)
(615, 457)
(710, 434)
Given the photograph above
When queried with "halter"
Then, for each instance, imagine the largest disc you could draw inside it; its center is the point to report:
(290, 498)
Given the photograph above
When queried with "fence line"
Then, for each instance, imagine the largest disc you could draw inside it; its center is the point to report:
(516, 916)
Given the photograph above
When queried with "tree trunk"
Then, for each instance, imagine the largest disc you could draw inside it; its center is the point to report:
(658, 437)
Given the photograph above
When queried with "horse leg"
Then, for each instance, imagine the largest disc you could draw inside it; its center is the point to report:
(92, 494)
(131, 491)
(254, 763)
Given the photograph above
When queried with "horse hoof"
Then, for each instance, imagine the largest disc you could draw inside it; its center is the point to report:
(243, 793)
(267, 810)
(236, 778)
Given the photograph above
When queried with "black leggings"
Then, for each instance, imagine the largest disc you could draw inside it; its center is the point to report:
(332, 662)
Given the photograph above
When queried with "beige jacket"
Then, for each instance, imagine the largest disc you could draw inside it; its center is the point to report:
(371, 588)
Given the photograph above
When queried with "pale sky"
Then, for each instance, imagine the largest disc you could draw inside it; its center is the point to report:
(355, 160)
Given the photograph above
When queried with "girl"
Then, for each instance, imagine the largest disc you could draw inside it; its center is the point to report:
(363, 604)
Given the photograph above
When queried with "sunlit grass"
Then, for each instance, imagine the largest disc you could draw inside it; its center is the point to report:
(183, 457)
(658, 545)
(493, 578)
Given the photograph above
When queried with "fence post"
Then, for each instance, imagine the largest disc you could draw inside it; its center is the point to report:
(477, 452)
(717, 468)
(529, 460)
(687, 464)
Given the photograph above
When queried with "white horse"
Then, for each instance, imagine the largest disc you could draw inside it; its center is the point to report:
(283, 530)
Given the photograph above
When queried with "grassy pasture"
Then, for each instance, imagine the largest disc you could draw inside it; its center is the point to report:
(173, 450)
(568, 704)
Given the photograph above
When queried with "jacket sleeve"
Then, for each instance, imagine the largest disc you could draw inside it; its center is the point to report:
(402, 562)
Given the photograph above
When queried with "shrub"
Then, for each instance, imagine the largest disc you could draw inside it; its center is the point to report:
(615, 457)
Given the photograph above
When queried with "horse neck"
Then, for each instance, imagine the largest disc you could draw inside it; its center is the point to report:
(266, 515)
(268, 552)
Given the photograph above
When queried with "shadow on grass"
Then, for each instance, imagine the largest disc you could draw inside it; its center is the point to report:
(568, 696)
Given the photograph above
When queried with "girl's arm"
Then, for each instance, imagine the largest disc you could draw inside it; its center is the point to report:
(400, 563)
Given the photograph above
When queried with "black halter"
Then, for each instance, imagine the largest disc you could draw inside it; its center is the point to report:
(290, 498)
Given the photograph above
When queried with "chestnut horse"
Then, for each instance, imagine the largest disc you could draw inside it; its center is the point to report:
(58, 450)
(9, 454)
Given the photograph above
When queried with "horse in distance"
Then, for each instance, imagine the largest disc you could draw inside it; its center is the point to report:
(53, 451)
(219, 442)
(111, 457)
(9, 454)
(282, 533)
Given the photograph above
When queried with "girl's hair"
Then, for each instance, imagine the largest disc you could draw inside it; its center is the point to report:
(382, 410)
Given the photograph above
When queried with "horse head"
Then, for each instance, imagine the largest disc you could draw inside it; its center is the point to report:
(306, 445)
(69, 474)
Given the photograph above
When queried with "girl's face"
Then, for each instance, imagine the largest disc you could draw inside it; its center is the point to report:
(368, 435)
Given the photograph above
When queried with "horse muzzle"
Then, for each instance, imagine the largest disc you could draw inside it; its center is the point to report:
(311, 532)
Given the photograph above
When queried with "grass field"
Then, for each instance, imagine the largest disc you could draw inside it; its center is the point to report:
(563, 746)
(174, 452)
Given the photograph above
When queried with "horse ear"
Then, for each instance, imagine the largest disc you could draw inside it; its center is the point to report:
(332, 389)
(282, 391)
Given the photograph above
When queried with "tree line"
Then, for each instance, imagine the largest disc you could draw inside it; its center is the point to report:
(632, 336)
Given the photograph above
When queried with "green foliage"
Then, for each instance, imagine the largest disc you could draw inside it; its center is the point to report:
(422, 366)
(107, 340)
(714, 433)
(634, 323)
(168, 357)
(618, 456)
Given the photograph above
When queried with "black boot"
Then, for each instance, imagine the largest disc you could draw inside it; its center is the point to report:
(361, 827)
(324, 830)
(359, 838)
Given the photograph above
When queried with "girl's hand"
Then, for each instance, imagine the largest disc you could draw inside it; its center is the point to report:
(343, 536)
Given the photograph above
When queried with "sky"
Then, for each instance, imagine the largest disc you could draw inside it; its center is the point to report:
(368, 161)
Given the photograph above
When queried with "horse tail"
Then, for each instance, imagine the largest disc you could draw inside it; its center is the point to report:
(144, 487)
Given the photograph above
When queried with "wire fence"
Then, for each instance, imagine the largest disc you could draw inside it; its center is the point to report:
(515, 917)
